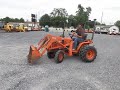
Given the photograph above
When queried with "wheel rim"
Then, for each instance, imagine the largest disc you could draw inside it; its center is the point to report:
(60, 56)
(90, 54)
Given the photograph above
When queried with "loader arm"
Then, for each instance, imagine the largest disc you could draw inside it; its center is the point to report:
(44, 44)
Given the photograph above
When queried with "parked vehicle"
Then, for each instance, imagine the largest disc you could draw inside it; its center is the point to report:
(21, 28)
(113, 30)
(8, 27)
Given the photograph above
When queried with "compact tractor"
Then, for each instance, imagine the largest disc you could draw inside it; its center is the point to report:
(21, 28)
(59, 46)
(8, 27)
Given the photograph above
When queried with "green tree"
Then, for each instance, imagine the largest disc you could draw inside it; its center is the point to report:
(59, 17)
(82, 14)
(59, 12)
(72, 21)
(88, 11)
(8, 19)
(80, 10)
(45, 20)
(21, 20)
(16, 20)
(117, 23)
(58, 21)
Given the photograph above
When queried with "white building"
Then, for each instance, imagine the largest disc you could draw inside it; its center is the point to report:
(99, 29)
(1, 24)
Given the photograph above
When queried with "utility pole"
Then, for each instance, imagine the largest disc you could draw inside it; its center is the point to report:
(101, 17)
(36, 18)
(101, 21)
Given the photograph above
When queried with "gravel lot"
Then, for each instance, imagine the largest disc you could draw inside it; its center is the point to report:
(71, 74)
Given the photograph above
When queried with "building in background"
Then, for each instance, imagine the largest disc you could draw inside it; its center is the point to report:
(1, 24)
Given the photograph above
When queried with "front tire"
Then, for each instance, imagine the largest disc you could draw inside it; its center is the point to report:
(88, 53)
(59, 56)
(51, 55)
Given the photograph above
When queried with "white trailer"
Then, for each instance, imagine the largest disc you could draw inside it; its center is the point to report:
(108, 29)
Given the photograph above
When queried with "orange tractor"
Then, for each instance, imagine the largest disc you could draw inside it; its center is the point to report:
(57, 47)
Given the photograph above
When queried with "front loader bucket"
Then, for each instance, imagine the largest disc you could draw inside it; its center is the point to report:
(33, 55)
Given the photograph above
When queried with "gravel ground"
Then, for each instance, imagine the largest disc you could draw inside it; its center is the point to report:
(71, 74)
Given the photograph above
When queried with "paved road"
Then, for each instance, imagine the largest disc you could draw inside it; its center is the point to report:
(71, 74)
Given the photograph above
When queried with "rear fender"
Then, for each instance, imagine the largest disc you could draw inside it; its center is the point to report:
(86, 42)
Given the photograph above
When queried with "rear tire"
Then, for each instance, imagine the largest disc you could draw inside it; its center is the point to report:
(81, 50)
(59, 56)
(88, 53)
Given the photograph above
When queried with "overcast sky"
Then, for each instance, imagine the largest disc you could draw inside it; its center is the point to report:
(24, 8)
